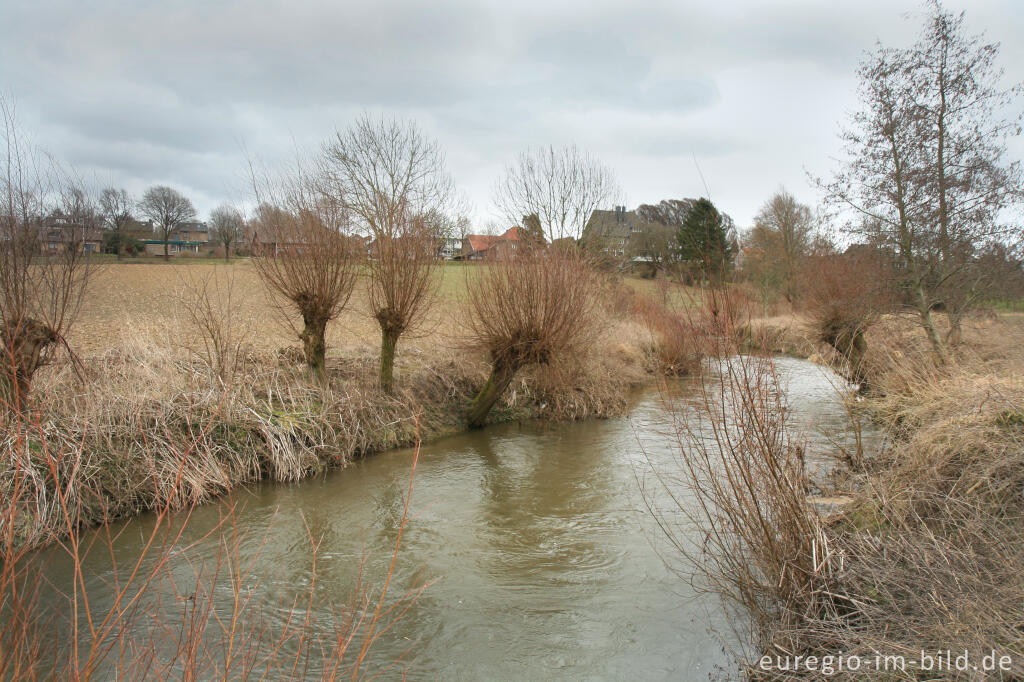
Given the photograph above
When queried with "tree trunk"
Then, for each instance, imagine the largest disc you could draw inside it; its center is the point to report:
(22, 353)
(925, 311)
(501, 377)
(227, 254)
(314, 344)
(167, 255)
(388, 343)
(956, 329)
(909, 256)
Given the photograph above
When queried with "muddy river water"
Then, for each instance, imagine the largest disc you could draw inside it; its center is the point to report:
(544, 561)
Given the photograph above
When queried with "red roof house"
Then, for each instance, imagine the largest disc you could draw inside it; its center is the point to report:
(486, 246)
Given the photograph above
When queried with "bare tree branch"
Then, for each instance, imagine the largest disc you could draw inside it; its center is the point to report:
(562, 186)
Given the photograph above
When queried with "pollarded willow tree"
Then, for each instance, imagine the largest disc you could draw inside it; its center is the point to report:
(926, 165)
(44, 269)
(533, 309)
(561, 186)
(392, 181)
(304, 253)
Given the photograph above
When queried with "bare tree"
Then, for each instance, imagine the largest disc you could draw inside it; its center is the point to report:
(303, 254)
(391, 179)
(782, 230)
(228, 226)
(759, 264)
(167, 208)
(959, 97)
(561, 186)
(40, 289)
(925, 165)
(877, 180)
(461, 227)
(534, 309)
(117, 208)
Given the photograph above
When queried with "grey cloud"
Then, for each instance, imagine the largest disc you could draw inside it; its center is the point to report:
(145, 92)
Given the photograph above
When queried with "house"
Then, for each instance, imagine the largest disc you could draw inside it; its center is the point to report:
(186, 238)
(268, 241)
(58, 233)
(491, 247)
(474, 246)
(411, 245)
(450, 248)
(193, 231)
(617, 233)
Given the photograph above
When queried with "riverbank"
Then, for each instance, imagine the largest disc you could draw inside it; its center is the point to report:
(149, 424)
(928, 549)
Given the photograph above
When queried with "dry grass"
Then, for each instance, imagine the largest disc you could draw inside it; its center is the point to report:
(935, 539)
(247, 410)
(165, 613)
(929, 552)
(674, 347)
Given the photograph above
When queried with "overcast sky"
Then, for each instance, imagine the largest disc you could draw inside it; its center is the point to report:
(137, 93)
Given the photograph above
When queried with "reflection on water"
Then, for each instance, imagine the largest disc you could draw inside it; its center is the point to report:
(537, 537)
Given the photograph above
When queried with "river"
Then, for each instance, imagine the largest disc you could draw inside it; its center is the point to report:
(544, 562)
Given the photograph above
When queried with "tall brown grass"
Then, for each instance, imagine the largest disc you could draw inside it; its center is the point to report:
(928, 553)
(674, 348)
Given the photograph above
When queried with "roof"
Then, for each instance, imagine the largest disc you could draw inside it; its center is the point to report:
(192, 226)
(482, 242)
(616, 224)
